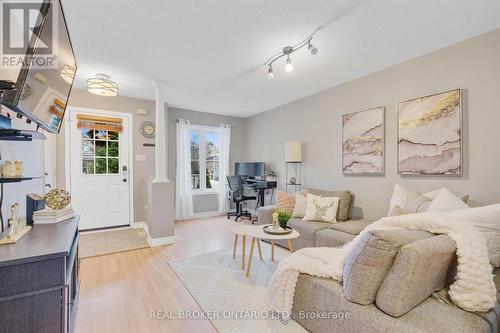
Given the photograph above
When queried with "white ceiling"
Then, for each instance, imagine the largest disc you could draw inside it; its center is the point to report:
(211, 52)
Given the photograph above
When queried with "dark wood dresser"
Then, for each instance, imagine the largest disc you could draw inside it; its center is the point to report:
(39, 280)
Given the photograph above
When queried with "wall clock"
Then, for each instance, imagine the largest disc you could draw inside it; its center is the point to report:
(148, 129)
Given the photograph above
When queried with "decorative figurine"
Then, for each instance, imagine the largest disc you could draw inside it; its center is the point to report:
(275, 220)
(293, 180)
(14, 219)
(16, 222)
(57, 199)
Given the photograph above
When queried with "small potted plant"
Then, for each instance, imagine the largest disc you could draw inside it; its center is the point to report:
(283, 217)
(270, 175)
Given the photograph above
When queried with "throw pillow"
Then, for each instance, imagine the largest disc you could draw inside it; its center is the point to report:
(407, 199)
(300, 205)
(446, 201)
(433, 194)
(321, 209)
(397, 211)
(346, 201)
(286, 201)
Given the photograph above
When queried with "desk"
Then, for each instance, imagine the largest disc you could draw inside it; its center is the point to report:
(259, 186)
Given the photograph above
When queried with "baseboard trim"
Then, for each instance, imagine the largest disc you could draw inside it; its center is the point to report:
(207, 214)
(160, 241)
(141, 224)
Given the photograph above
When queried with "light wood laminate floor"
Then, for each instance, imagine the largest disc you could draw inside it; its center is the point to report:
(118, 291)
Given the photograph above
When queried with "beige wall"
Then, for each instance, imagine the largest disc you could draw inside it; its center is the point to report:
(473, 65)
(146, 169)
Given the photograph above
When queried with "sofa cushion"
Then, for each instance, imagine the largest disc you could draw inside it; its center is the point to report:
(420, 269)
(351, 227)
(332, 238)
(315, 295)
(307, 231)
(371, 259)
(344, 201)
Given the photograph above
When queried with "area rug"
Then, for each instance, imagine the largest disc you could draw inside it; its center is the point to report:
(111, 241)
(232, 301)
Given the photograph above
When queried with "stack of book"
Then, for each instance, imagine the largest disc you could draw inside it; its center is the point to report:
(49, 215)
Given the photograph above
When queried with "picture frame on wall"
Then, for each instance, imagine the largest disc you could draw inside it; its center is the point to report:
(363, 142)
(430, 135)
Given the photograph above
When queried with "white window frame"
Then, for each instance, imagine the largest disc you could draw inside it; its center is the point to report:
(203, 161)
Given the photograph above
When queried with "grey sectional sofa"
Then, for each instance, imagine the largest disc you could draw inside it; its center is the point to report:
(394, 281)
(315, 234)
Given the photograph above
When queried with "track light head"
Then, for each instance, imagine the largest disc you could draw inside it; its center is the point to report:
(312, 48)
(270, 74)
(288, 66)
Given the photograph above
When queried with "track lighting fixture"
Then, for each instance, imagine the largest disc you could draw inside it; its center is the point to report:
(286, 51)
(270, 74)
(311, 48)
(288, 66)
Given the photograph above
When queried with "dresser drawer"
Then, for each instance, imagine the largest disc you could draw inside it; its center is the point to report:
(32, 276)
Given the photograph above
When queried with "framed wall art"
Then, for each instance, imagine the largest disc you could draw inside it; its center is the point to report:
(430, 135)
(363, 142)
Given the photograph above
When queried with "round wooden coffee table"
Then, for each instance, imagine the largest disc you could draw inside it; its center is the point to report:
(257, 233)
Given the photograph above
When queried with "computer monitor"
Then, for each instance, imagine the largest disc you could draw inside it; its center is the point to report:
(249, 169)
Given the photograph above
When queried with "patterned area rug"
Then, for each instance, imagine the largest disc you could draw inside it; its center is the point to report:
(232, 301)
(111, 241)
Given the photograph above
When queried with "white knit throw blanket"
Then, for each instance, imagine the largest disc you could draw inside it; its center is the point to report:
(473, 289)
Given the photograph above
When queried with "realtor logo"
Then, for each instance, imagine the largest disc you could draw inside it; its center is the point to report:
(21, 27)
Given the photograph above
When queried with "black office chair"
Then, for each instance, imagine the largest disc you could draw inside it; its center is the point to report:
(237, 196)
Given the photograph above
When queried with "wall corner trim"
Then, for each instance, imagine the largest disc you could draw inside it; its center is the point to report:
(160, 241)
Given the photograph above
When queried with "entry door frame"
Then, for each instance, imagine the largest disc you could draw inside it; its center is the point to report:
(69, 117)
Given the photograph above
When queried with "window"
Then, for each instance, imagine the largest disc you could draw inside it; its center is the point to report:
(100, 154)
(205, 147)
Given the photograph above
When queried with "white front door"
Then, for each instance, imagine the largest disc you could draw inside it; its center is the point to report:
(100, 184)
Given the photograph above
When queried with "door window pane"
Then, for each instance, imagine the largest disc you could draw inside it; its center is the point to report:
(88, 166)
(100, 148)
(100, 165)
(112, 165)
(100, 152)
(87, 133)
(88, 148)
(101, 135)
(112, 135)
(113, 148)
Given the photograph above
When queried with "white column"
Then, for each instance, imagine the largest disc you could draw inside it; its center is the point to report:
(161, 156)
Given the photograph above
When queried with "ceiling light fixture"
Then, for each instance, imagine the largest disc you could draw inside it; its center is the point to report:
(312, 48)
(68, 73)
(288, 66)
(102, 85)
(287, 51)
(270, 74)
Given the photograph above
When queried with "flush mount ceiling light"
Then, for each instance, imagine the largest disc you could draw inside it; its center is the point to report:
(102, 85)
(68, 73)
(287, 51)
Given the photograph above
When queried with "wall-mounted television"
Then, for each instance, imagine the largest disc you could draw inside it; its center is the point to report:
(49, 67)
(249, 169)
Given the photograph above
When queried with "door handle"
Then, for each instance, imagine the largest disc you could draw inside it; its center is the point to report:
(124, 180)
